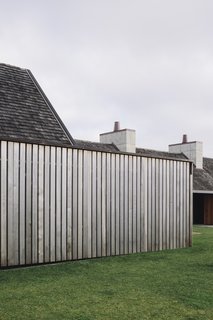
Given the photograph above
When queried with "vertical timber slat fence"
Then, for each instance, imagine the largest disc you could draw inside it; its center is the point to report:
(61, 204)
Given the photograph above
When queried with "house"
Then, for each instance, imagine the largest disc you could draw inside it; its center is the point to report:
(125, 140)
(202, 180)
(65, 199)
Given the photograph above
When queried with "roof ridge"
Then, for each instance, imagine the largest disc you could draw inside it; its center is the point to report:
(12, 66)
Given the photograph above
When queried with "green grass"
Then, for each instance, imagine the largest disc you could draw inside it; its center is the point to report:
(176, 284)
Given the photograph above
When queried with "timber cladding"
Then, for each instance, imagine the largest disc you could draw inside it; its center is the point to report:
(60, 204)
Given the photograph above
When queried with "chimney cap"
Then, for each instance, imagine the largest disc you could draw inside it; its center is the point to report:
(185, 138)
(116, 126)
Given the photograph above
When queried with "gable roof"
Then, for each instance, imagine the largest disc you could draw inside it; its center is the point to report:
(203, 178)
(26, 115)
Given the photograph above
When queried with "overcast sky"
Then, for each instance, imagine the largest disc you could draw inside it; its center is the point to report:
(145, 63)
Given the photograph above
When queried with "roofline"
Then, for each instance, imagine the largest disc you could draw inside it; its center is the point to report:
(180, 143)
(37, 142)
(121, 130)
(50, 144)
(48, 103)
(203, 191)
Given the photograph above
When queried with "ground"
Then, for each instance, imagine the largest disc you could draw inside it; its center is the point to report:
(174, 284)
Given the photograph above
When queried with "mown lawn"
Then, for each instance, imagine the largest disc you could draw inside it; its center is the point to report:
(175, 284)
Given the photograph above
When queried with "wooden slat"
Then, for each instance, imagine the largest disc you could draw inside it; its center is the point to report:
(52, 204)
(178, 205)
(174, 234)
(160, 204)
(16, 212)
(134, 205)
(138, 204)
(171, 206)
(80, 207)
(144, 205)
(98, 204)
(75, 205)
(4, 175)
(64, 205)
(94, 204)
(121, 205)
(69, 205)
(41, 205)
(13, 204)
(35, 204)
(130, 207)
(28, 204)
(117, 204)
(157, 205)
(149, 204)
(126, 205)
(58, 203)
(47, 205)
(103, 206)
(112, 200)
(167, 203)
(86, 208)
(108, 204)
(153, 204)
(164, 204)
(181, 205)
(22, 206)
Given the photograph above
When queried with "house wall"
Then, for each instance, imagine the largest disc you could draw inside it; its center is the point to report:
(61, 204)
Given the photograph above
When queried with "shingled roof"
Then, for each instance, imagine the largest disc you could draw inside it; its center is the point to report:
(203, 178)
(26, 115)
(96, 146)
(160, 154)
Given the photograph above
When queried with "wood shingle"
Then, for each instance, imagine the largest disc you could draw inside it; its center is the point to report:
(25, 112)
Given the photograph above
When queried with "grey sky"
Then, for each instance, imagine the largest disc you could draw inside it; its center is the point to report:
(146, 63)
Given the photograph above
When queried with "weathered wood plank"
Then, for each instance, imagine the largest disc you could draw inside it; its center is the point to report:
(22, 206)
(108, 205)
(64, 205)
(52, 204)
(75, 205)
(29, 204)
(58, 203)
(117, 204)
(94, 205)
(134, 205)
(4, 181)
(79, 204)
(35, 204)
(47, 204)
(103, 205)
(121, 205)
(98, 204)
(144, 205)
(69, 205)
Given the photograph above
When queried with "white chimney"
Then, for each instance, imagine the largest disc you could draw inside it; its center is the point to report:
(124, 139)
(193, 150)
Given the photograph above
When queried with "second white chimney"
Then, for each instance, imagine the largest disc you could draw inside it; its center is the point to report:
(193, 150)
(124, 139)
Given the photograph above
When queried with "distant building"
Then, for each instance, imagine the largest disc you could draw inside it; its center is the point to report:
(125, 141)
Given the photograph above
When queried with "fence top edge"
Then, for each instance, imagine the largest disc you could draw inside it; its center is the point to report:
(137, 155)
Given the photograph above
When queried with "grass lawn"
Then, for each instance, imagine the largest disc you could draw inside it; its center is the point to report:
(175, 284)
